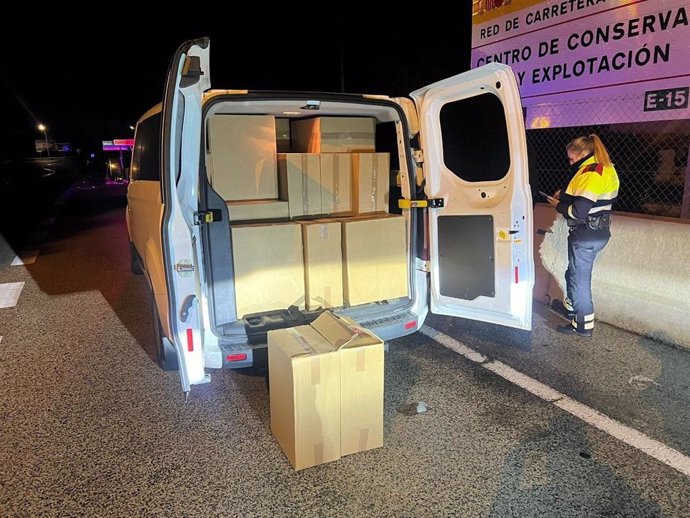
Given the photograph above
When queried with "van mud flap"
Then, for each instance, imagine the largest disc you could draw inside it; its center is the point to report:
(257, 325)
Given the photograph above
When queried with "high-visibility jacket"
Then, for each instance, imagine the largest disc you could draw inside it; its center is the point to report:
(592, 190)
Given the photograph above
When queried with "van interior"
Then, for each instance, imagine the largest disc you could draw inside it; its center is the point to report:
(307, 192)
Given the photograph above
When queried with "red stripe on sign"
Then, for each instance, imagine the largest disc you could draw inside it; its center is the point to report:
(190, 339)
(517, 277)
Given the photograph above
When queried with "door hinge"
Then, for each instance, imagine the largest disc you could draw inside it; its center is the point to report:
(418, 156)
(204, 217)
(436, 203)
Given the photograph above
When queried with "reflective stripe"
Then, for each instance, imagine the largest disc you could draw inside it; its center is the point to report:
(588, 325)
(589, 318)
(567, 304)
(570, 212)
(599, 209)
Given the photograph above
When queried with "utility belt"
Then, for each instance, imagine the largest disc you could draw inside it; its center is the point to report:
(593, 222)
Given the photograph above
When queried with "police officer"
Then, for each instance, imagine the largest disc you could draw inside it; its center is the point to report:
(586, 206)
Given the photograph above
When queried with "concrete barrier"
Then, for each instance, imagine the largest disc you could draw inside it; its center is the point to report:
(641, 280)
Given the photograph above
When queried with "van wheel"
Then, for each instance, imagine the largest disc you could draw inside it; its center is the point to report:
(134, 265)
(166, 356)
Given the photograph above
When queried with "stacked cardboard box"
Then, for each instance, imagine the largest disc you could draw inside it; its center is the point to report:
(375, 264)
(334, 135)
(326, 395)
(323, 264)
(371, 181)
(299, 177)
(242, 163)
(247, 210)
(269, 268)
(336, 183)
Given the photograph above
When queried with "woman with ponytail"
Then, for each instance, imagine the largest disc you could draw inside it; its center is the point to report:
(585, 203)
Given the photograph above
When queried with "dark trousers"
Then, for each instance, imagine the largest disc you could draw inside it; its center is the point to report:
(583, 246)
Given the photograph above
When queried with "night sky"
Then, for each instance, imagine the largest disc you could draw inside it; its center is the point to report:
(88, 82)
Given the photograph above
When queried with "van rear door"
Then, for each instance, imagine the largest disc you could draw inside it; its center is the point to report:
(187, 79)
(475, 163)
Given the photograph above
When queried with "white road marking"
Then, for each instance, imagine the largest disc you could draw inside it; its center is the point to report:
(9, 294)
(629, 436)
(25, 257)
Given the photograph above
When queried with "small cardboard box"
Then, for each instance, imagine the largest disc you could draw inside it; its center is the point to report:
(371, 182)
(243, 156)
(336, 183)
(323, 263)
(326, 397)
(334, 135)
(299, 177)
(375, 263)
(269, 267)
(247, 210)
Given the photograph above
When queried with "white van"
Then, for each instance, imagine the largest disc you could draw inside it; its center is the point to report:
(457, 175)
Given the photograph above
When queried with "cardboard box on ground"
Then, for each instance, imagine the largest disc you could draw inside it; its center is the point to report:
(326, 390)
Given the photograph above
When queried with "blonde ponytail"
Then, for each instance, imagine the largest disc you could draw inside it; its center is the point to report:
(590, 144)
(601, 155)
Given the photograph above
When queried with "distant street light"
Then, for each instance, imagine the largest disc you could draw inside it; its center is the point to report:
(41, 127)
(131, 127)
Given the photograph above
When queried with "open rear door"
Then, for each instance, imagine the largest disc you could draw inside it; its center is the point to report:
(475, 164)
(188, 78)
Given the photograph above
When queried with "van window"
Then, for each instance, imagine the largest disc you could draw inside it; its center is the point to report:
(475, 138)
(146, 155)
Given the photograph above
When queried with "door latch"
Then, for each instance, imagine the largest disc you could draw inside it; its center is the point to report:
(204, 217)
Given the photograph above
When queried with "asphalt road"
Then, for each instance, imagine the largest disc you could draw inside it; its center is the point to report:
(90, 426)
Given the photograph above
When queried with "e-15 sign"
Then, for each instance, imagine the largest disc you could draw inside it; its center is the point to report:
(672, 99)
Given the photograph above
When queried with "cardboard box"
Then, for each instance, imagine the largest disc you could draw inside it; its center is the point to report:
(336, 183)
(323, 264)
(371, 182)
(283, 135)
(299, 176)
(247, 210)
(375, 262)
(269, 268)
(334, 135)
(326, 397)
(361, 382)
(243, 156)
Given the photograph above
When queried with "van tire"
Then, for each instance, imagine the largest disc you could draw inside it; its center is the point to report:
(166, 355)
(134, 265)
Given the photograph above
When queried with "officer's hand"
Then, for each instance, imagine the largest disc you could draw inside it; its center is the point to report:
(557, 194)
(553, 201)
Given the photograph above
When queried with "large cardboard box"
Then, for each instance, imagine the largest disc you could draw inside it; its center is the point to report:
(375, 262)
(269, 268)
(371, 182)
(361, 382)
(326, 397)
(334, 135)
(299, 176)
(247, 210)
(336, 183)
(243, 156)
(323, 264)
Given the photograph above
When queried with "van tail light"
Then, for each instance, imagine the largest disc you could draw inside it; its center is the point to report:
(411, 324)
(236, 357)
(190, 339)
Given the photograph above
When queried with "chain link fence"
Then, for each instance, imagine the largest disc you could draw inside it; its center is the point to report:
(651, 158)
